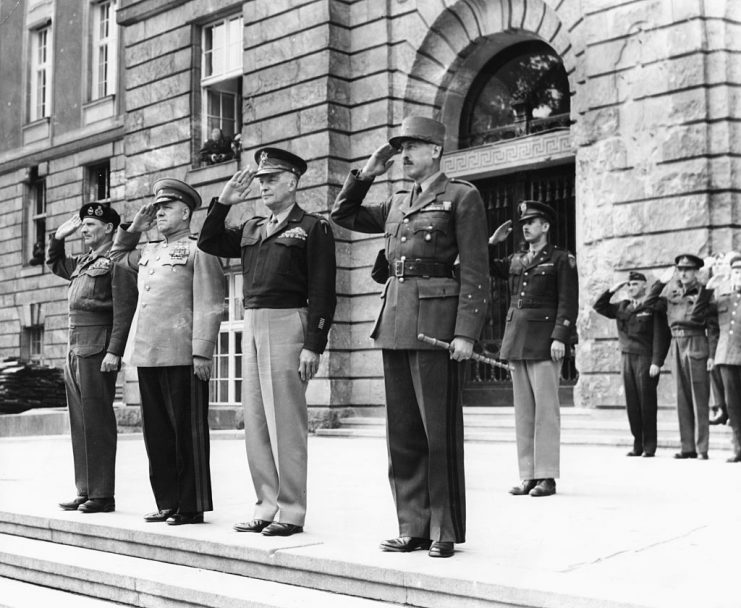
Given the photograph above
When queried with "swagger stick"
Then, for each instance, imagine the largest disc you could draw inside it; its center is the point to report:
(474, 356)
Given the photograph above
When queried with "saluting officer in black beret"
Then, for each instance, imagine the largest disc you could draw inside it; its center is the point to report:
(644, 342)
(540, 326)
(426, 227)
(288, 261)
(102, 299)
(693, 323)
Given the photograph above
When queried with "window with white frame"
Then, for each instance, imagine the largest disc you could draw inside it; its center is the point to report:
(105, 49)
(40, 103)
(226, 377)
(221, 87)
(35, 219)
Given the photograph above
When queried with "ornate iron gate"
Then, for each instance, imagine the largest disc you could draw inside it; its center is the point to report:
(482, 384)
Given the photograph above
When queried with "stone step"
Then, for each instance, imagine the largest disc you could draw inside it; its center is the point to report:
(133, 581)
(17, 594)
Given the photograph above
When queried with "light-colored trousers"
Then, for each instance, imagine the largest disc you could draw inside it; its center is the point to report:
(275, 414)
(537, 418)
(689, 357)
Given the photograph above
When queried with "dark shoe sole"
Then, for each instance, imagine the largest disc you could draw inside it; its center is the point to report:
(425, 546)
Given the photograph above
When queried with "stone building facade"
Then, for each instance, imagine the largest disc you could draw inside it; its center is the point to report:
(631, 135)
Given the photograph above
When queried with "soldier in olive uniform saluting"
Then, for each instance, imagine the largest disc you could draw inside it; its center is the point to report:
(288, 261)
(694, 328)
(102, 298)
(425, 229)
(172, 341)
(540, 326)
(644, 342)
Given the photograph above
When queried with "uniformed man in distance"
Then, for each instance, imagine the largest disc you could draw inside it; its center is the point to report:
(172, 342)
(102, 298)
(426, 229)
(644, 343)
(694, 328)
(727, 357)
(288, 262)
(539, 330)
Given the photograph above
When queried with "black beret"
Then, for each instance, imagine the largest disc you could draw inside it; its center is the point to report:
(102, 212)
(636, 276)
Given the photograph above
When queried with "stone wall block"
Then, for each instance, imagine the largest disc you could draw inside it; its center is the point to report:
(367, 61)
(178, 84)
(367, 35)
(273, 28)
(160, 159)
(163, 112)
(152, 48)
(159, 67)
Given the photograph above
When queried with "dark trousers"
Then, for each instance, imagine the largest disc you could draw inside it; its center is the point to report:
(92, 423)
(731, 375)
(424, 425)
(175, 425)
(640, 400)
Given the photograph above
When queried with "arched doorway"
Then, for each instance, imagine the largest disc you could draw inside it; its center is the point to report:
(520, 98)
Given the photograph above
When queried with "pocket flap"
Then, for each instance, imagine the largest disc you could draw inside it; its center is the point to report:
(438, 288)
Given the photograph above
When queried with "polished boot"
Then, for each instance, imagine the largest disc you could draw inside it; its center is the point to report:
(280, 529)
(158, 516)
(545, 487)
(98, 505)
(524, 488)
(72, 505)
(441, 548)
(684, 455)
(405, 544)
(181, 519)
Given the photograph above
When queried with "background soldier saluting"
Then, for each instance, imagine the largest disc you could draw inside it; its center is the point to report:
(102, 298)
(644, 342)
(540, 326)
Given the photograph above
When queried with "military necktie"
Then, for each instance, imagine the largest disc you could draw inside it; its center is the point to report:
(416, 191)
(272, 225)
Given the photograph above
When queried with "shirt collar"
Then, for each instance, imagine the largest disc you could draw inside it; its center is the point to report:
(281, 217)
(425, 183)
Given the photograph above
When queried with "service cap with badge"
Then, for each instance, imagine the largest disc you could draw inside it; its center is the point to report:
(170, 189)
(688, 260)
(531, 209)
(275, 160)
(101, 212)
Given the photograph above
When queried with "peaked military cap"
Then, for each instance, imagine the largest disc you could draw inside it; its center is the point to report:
(530, 209)
(275, 160)
(420, 128)
(99, 211)
(687, 260)
(636, 276)
(171, 189)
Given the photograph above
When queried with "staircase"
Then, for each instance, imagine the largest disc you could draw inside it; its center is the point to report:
(597, 427)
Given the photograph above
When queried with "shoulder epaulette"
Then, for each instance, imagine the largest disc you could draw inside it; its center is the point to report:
(456, 180)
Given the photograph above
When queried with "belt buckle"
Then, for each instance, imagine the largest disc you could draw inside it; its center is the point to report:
(519, 303)
(398, 268)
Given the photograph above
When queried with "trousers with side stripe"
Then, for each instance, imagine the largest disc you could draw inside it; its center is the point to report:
(424, 424)
(175, 427)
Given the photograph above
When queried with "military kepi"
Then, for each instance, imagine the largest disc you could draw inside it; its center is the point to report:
(420, 128)
(275, 160)
(171, 189)
(687, 260)
(99, 211)
(530, 209)
(636, 276)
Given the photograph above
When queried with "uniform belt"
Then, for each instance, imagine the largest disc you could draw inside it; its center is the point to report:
(419, 268)
(78, 318)
(687, 333)
(531, 303)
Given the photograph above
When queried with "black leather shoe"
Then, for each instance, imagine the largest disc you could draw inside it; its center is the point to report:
(634, 453)
(441, 548)
(524, 488)
(180, 519)
(280, 529)
(703, 455)
(718, 415)
(649, 455)
(405, 544)
(256, 525)
(545, 487)
(71, 505)
(683, 455)
(98, 505)
(734, 458)
(158, 516)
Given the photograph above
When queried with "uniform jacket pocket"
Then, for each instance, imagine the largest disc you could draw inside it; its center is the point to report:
(89, 340)
(438, 307)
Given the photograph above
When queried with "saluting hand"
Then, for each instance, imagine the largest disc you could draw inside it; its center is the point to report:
(667, 275)
(501, 233)
(558, 350)
(308, 364)
(380, 161)
(68, 227)
(617, 286)
(237, 189)
(110, 363)
(144, 218)
(202, 368)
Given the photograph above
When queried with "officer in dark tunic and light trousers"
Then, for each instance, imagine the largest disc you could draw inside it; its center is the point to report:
(288, 262)
(540, 326)
(102, 298)
(644, 341)
(172, 342)
(425, 229)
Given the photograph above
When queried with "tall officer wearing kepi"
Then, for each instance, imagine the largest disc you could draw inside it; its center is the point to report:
(425, 229)
(644, 343)
(727, 358)
(540, 327)
(102, 298)
(694, 328)
(172, 341)
(288, 261)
